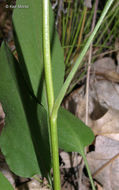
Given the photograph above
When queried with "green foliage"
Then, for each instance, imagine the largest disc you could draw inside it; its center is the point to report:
(24, 140)
(75, 27)
(26, 124)
(4, 183)
(28, 25)
(74, 135)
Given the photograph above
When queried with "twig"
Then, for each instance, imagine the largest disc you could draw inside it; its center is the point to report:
(89, 63)
(106, 164)
(88, 78)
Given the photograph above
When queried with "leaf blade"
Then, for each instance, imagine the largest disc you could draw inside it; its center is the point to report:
(31, 48)
(23, 122)
(74, 135)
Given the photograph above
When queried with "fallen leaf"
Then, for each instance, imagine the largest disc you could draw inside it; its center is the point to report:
(107, 124)
(104, 162)
(106, 93)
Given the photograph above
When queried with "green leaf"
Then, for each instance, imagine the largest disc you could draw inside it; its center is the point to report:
(73, 134)
(28, 37)
(4, 183)
(24, 140)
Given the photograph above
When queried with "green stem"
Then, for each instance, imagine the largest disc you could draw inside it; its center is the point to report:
(88, 170)
(50, 95)
(80, 58)
(47, 57)
(55, 153)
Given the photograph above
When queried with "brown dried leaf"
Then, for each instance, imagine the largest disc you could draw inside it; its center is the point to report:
(106, 93)
(103, 65)
(105, 150)
(33, 185)
(107, 124)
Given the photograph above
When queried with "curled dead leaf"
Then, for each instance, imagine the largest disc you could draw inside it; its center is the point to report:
(107, 124)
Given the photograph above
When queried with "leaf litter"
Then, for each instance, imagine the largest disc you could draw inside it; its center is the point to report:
(103, 119)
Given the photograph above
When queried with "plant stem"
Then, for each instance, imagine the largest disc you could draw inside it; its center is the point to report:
(55, 153)
(80, 58)
(47, 56)
(88, 170)
(50, 94)
(89, 63)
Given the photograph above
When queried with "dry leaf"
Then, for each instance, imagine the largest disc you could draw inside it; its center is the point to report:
(104, 65)
(107, 124)
(105, 150)
(106, 93)
(99, 187)
(32, 185)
